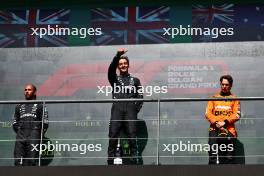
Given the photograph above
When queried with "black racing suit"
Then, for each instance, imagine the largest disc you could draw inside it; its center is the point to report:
(27, 125)
(122, 112)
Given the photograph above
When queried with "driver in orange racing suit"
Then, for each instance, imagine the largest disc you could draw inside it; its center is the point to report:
(222, 116)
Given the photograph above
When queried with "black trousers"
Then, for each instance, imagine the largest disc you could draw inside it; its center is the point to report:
(223, 148)
(24, 152)
(123, 117)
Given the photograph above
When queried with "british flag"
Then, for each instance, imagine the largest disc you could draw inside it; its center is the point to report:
(130, 25)
(15, 27)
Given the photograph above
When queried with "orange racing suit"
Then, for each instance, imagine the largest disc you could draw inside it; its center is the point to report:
(223, 111)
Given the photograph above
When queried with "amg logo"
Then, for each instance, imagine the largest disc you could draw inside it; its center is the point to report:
(28, 115)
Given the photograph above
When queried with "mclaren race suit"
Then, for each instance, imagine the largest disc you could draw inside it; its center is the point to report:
(124, 87)
(222, 111)
(27, 125)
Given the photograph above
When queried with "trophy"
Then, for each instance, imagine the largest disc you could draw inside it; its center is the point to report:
(118, 154)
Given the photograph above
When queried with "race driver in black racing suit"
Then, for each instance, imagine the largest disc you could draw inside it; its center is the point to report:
(123, 114)
(27, 125)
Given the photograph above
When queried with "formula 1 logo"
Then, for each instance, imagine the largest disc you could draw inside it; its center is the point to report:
(195, 76)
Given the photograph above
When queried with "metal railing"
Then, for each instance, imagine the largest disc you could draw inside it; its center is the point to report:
(158, 100)
(130, 100)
